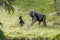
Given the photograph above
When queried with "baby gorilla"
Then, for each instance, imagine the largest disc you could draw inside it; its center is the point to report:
(21, 21)
(37, 17)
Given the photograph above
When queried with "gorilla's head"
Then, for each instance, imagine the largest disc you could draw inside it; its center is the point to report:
(31, 13)
(20, 17)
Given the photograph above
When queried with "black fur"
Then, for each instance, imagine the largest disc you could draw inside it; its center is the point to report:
(37, 17)
(21, 21)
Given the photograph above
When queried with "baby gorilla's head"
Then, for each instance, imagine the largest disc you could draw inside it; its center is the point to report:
(20, 17)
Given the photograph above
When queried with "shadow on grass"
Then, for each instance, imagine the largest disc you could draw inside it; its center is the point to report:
(2, 37)
(57, 37)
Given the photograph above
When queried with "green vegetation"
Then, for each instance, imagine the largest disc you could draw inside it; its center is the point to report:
(12, 28)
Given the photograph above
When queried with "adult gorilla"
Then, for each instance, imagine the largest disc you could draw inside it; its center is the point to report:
(37, 17)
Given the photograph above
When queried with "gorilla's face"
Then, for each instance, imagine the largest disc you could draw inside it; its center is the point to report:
(31, 13)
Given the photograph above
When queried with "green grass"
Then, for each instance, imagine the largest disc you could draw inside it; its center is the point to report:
(11, 27)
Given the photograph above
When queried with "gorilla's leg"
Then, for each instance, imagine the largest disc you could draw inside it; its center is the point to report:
(44, 21)
(33, 21)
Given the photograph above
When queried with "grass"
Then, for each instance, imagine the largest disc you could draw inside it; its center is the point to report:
(12, 28)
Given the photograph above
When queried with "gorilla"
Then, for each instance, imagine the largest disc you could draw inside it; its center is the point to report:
(37, 17)
(21, 21)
